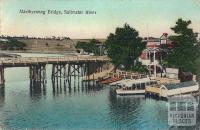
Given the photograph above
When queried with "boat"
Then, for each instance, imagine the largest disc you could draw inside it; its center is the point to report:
(135, 86)
(111, 80)
(119, 82)
(173, 89)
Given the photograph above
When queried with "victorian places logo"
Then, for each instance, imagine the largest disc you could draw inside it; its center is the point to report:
(182, 111)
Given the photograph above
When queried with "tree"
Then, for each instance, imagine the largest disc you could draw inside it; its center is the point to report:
(89, 47)
(13, 44)
(140, 68)
(82, 45)
(185, 51)
(124, 47)
(92, 46)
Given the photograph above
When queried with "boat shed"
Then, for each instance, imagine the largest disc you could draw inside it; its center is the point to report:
(179, 88)
(180, 85)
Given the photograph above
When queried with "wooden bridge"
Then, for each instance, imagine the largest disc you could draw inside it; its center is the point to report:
(62, 67)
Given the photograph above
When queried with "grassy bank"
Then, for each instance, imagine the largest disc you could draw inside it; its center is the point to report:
(49, 45)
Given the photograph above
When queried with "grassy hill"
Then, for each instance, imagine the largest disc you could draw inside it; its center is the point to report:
(51, 45)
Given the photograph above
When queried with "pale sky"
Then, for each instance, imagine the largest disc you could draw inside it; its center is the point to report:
(149, 17)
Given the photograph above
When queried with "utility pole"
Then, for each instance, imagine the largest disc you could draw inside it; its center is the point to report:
(154, 61)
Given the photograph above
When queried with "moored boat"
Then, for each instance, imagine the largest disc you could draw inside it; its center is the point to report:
(134, 87)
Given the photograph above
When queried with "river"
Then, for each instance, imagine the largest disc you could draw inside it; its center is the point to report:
(85, 107)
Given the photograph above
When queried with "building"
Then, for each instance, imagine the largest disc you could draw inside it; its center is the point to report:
(198, 37)
(186, 76)
(173, 89)
(101, 48)
(172, 73)
(3, 40)
(156, 50)
(179, 88)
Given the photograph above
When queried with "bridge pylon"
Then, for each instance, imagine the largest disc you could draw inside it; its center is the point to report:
(70, 73)
(37, 75)
(2, 79)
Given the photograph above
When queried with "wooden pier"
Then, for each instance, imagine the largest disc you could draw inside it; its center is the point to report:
(62, 67)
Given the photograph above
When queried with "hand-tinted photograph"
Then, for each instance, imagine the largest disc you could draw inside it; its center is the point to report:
(99, 64)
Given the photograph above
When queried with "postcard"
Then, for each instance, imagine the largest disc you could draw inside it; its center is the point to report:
(99, 64)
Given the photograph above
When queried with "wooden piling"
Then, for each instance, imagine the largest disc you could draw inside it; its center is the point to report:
(37, 75)
(2, 79)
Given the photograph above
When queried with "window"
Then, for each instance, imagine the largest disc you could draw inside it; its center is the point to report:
(138, 86)
(181, 106)
(190, 106)
(133, 86)
(172, 106)
(143, 86)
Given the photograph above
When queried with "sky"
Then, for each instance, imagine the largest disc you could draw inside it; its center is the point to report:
(149, 17)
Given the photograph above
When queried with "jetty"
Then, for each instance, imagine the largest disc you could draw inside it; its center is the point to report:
(62, 67)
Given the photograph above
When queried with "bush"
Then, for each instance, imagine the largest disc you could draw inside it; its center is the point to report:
(140, 68)
(13, 44)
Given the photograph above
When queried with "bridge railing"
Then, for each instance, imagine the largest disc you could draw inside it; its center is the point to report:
(50, 59)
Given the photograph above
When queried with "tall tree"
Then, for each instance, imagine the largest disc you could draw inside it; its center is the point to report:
(125, 46)
(185, 51)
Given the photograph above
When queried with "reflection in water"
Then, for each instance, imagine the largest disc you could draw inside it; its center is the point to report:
(79, 106)
(37, 88)
(82, 86)
(138, 112)
(124, 109)
(2, 101)
(2, 96)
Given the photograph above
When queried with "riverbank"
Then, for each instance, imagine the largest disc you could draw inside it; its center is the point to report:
(39, 52)
(2, 55)
(50, 45)
(83, 106)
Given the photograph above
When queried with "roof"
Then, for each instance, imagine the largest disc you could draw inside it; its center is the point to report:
(172, 70)
(180, 85)
(3, 40)
(135, 81)
(165, 80)
(152, 49)
(120, 81)
(187, 73)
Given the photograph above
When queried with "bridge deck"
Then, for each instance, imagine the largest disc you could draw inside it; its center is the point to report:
(27, 61)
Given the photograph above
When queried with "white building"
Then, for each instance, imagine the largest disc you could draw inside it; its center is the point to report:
(172, 73)
(180, 88)
(3, 40)
(198, 37)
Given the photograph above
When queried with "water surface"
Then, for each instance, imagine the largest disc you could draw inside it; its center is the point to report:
(83, 107)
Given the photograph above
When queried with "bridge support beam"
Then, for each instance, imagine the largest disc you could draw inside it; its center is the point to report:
(2, 79)
(37, 75)
(68, 73)
(58, 72)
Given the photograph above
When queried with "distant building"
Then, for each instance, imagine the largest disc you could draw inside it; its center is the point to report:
(101, 48)
(198, 37)
(4, 40)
